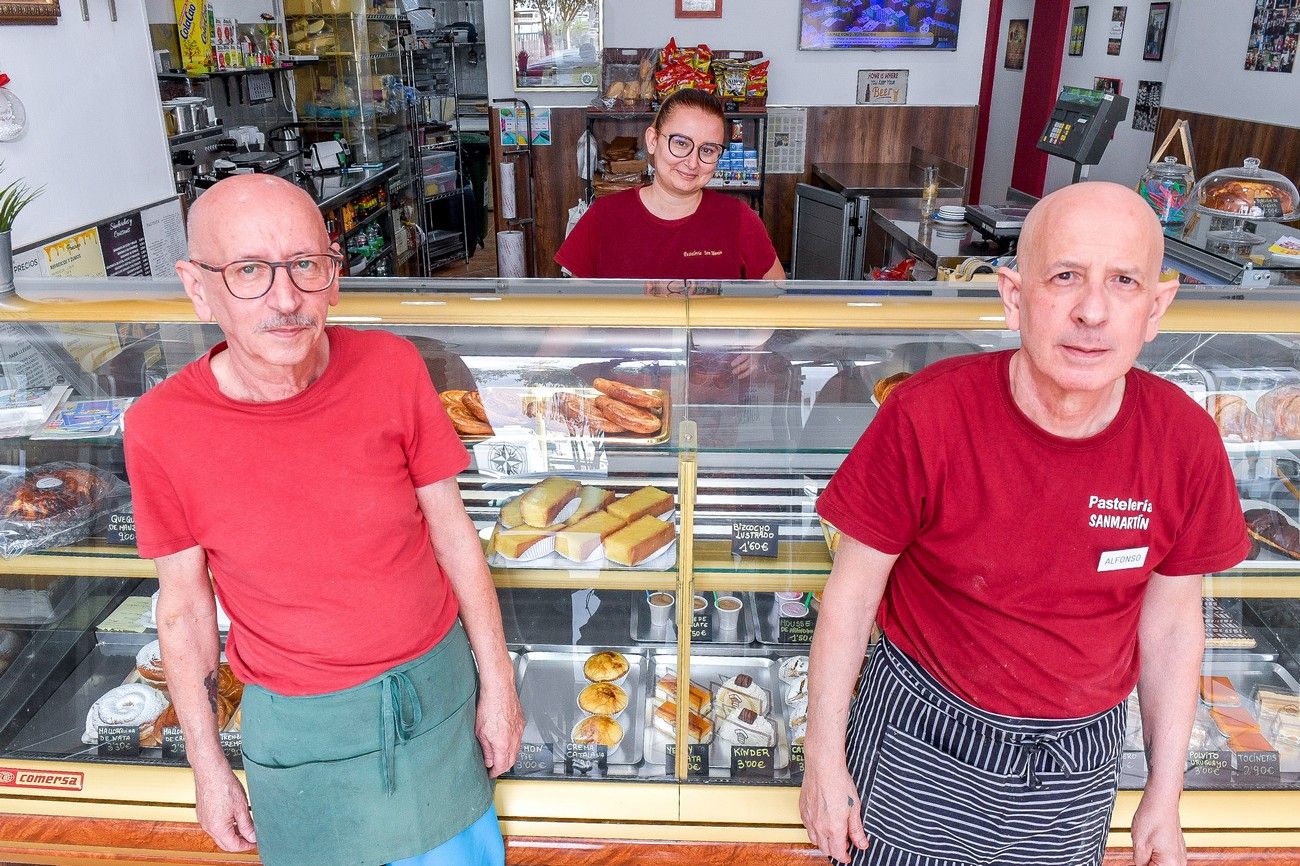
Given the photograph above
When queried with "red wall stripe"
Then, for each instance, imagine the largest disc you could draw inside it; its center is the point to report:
(1042, 82)
(986, 97)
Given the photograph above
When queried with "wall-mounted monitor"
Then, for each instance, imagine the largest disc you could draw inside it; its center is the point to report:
(879, 24)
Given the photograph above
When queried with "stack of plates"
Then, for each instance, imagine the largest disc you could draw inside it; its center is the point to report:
(951, 213)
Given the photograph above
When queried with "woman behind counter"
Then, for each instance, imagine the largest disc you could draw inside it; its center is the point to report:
(674, 229)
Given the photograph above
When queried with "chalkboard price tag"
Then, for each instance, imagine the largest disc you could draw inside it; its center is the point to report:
(1254, 769)
(535, 759)
(1209, 767)
(754, 538)
(795, 629)
(173, 744)
(120, 529)
(119, 741)
(753, 762)
(701, 627)
(697, 760)
(1133, 765)
(796, 760)
(231, 744)
(585, 759)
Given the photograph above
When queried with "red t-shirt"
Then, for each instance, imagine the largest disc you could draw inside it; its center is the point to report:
(1024, 556)
(617, 238)
(306, 508)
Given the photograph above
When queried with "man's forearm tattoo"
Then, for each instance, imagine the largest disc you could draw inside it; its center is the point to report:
(210, 683)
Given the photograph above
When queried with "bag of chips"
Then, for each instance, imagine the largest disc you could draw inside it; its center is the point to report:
(757, 83)
(732, 78)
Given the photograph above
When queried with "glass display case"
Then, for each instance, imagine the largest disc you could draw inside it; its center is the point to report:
(633, 448)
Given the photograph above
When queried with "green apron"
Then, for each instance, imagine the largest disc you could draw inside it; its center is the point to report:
(381, 771)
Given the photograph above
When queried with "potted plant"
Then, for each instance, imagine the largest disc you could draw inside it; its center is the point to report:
(13, 198)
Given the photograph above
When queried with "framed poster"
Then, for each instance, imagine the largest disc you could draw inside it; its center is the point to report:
(1017, 42)
(1107, 85)
(1157, 23)
(556, 43)
(1146, 111)
(1078, 30)
(699, 9)
(1274, 36)
(29, 11)
(882, 86)
(1115, 37)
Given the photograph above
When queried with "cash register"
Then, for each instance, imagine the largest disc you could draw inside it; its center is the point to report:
(1082, 124)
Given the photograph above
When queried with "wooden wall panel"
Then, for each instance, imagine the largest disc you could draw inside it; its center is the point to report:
(1219, 142)
(835, 134)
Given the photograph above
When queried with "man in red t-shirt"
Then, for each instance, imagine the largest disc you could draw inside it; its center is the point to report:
(1029, 529)
(312, 471)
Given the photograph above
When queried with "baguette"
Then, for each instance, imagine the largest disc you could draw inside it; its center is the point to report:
(630, 394)
(630, 417)
(634, 543)
(640, 502)
(542, 503)
(474, 403)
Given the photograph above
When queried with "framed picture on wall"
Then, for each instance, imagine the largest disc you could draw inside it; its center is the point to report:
(557, 45)
(699, 9)
(1274, 36)
(1078, 30)
(1017, 42)
(29, 12)
(1146, 110)
(1153, 48)
(1116, 36)
(1107, 85)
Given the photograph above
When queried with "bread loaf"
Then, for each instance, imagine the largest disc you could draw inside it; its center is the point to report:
(541, 504)
(640, 502)
(634, 543)
(579, 540)
(629, 394)
(590, 500)
(514, 543)
(627, 416)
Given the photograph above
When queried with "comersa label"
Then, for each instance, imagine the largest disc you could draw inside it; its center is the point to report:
(11, 777)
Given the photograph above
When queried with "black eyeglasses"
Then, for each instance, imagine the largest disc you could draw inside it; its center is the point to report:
(250, 279)
(681, 146)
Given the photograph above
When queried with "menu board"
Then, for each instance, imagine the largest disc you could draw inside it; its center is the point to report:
(143, 243)
(123, 246)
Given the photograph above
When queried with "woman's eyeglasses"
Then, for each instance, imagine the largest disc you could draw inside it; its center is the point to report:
(681, 146)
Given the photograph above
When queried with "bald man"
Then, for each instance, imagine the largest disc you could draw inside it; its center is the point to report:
(1029, 529)
(312, 471)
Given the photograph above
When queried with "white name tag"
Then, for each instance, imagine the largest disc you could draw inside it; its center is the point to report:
(1118, 560)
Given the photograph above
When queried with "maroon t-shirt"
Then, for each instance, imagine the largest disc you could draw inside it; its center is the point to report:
(617, 238)
(1024, 556)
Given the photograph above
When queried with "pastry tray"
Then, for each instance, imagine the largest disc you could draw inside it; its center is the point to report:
(644, 632)
(710, 671)
(767, 622)
(538, 428)
(1247, 676)
(665, 559)
(549, 683)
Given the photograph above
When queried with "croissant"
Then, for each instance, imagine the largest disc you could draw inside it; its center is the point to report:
(1236, 421)
(1280, 411)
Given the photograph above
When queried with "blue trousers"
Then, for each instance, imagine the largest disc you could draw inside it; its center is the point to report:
(479, 844)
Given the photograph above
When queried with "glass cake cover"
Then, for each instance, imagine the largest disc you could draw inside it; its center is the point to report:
(1246, 193)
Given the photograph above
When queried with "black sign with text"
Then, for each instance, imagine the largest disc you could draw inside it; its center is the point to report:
(753, 762)
(120, 529)
(231, 744)
(585, 759)
(701, 627)
(697, 760)
(795, 629)
(119, 741)
(754, 538)
(1209, 768)
(173, 744)
(1255, 769)
(535, 759)
(796, 761)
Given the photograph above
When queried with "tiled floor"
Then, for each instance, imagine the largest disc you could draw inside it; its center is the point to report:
(482, 264)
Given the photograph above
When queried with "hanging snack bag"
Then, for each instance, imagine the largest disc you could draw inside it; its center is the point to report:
(731, 77)
(757, 84)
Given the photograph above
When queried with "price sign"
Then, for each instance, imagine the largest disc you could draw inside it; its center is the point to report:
(754, 538)
(701, 627)
(753, 762)
(231, 744)
(1211, 768)
(1256, 768)
(697, 760)
(585, 759)
(173, 744)
(119, 741)
(795, 629)
(535, 759)
(796, 761)
(121, 529)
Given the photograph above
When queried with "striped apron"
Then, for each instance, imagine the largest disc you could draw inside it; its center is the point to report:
(379, 772)
(944, 783)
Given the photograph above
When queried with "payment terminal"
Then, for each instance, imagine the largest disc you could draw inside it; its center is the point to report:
(1081, 126)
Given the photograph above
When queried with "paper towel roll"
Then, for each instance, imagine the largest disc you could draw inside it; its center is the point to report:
(510, 255)
(508, 206)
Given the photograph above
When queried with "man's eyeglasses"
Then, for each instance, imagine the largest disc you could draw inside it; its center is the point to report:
(681, 147)
(250, 279)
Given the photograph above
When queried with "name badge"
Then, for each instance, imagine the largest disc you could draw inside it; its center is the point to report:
(1118, 560)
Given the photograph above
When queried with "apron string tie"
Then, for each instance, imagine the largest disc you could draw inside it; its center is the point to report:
(400, 715)
(1052, 746)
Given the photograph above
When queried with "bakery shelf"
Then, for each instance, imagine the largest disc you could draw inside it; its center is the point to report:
(85, 560)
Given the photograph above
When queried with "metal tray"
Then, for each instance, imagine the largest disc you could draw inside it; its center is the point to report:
(1247, 675)
(710, 671)
(766, 622)
(644, 632)
(545, 433)
(549, 683)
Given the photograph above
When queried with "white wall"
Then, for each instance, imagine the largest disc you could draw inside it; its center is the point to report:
(95, 135)
(1207, 74)
(1130, 151)
(771, 26)
(1004, 109)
